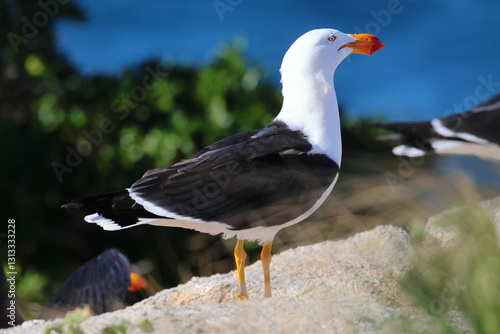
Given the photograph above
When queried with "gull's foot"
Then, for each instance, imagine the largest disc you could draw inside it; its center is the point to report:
(241, 296)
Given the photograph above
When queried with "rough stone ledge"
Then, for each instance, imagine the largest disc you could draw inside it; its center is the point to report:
(347, 286)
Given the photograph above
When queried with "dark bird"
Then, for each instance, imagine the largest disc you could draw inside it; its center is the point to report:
(474, 132)
(252, 184)
(100, 284)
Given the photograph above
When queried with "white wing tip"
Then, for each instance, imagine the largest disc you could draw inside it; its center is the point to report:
(106, 223)
(408, 151)
(438, 126)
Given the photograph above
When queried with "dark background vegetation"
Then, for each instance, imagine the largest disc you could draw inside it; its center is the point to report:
(120, 126)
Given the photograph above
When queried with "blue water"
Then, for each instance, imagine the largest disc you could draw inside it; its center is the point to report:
(438, 53)
(441, 56)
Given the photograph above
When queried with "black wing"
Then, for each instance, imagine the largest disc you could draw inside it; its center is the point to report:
(491, 104)
(100, 283)
(416, 134)
(258, 178)
(482, 122)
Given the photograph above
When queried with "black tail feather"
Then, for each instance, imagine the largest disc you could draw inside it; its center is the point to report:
(116, 204)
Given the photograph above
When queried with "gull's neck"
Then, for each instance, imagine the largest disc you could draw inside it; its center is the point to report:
(310, 105)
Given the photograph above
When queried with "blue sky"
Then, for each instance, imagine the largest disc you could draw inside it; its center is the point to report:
(441, 56)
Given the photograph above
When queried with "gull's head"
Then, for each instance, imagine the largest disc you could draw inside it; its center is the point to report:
(320, 51)
(309, 100)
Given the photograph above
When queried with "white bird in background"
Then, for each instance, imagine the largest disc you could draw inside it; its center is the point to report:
(252, 184)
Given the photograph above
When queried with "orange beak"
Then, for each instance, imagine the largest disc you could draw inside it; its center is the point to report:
(365, 44)
(137, 282)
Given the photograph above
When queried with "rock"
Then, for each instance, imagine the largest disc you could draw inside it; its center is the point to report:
(448, 234)
(347, 286)
(344, 271)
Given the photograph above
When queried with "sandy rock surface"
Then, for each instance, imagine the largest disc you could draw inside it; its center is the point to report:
(347, 286)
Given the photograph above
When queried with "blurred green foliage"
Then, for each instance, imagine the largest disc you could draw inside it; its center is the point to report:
(71, 322)
(145, 326)
(65, 135)
(460, 274)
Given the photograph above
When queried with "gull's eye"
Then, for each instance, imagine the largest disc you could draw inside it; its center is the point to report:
(332, 38)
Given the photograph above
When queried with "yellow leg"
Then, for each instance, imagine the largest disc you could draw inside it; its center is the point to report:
(240, 256)
(265, 257)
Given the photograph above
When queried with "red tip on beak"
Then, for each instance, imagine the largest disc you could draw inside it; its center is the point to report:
(365, 44)
(137, 282)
